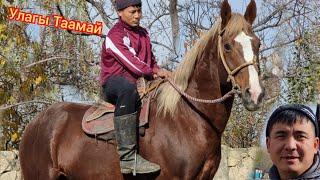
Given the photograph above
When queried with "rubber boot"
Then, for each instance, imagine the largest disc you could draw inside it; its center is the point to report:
(126, 137)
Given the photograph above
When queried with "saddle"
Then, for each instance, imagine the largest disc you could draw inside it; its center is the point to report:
(98, 119)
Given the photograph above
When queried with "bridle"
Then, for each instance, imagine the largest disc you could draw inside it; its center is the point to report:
(232, 73)
(231, 77)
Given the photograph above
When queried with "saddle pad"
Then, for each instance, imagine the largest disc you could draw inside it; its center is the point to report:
(98, 119)
(99, 110)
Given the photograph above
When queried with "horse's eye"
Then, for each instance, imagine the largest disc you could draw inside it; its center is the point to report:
(227, 47)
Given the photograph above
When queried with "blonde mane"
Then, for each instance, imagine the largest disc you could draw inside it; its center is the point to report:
(168, 97)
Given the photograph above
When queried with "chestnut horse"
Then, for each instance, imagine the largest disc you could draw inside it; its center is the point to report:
(183, 136)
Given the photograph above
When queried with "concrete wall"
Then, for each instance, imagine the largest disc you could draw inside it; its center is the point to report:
(9, 165)
(237, 163)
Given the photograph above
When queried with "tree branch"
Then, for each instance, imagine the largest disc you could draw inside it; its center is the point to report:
(271, 16)
(175, 26)
(79, 34)
(156, 19)
(49, 59)
(165, 32)
(98, 5)
(4, 56)
(165, 46)
(280, 45)
(271, 25)
(4, 107)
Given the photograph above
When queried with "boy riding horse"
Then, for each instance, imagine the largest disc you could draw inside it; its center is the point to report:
(126, 56)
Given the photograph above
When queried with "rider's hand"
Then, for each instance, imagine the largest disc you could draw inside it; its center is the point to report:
(155, 76)
(162, 73)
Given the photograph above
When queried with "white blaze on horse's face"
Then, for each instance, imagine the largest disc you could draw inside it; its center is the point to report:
(255, 88)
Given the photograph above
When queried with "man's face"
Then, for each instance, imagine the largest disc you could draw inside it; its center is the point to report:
(292, 148)
(131, 15)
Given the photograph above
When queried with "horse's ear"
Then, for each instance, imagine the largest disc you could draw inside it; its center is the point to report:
(251, 12)
(225, 13)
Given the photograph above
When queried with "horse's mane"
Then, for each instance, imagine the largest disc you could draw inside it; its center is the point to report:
(168, 97)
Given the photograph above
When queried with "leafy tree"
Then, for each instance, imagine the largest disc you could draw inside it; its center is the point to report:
(16, 85)
(304, 70)
(32, 70)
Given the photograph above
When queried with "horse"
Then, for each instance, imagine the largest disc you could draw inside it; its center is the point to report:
(183, 135)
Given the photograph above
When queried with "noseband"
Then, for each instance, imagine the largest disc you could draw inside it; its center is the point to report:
(232, 73)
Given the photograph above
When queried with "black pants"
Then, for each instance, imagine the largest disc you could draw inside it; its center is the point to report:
(123, 94)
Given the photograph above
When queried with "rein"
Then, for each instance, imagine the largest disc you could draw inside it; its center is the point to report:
(206, 101)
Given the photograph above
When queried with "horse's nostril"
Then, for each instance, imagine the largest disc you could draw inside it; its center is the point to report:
(247, 91)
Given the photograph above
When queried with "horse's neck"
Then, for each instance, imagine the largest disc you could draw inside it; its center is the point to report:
(209, 81)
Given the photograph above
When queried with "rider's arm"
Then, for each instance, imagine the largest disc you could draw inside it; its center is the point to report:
(119, 45)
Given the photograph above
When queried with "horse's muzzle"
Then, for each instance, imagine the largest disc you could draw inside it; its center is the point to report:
(249, 103)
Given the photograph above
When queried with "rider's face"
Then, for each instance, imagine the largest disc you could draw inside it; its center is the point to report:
(131, 15)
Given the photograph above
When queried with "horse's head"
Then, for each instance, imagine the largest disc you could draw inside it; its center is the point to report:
(239, 52)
